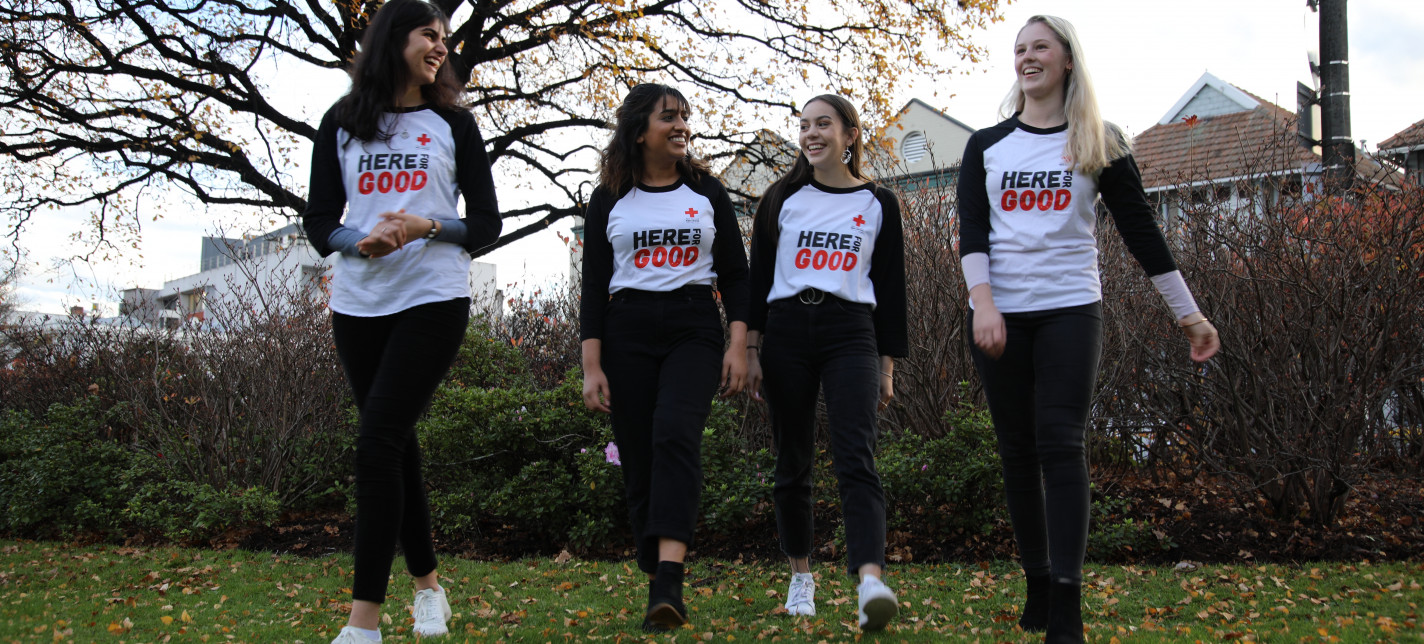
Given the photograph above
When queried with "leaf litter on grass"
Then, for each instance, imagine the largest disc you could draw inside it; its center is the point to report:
(59, 592)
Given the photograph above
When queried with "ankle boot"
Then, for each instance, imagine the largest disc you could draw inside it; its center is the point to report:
(666, 611)
(1065, 613)
(1035, 611)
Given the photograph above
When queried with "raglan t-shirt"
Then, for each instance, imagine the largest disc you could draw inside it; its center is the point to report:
(661, 239)
(1035, 218)
(433, 157)
(847, 242)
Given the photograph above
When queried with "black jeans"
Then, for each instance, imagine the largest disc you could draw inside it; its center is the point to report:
(394, 363)
(807, 347)
(1039, 394)
(662, 353)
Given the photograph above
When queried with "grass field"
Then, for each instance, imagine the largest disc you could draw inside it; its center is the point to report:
(57, 592)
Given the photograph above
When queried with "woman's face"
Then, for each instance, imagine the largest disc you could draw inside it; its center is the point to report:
(425, 52)
(824, 137)
(1041, 62)
(665, 140)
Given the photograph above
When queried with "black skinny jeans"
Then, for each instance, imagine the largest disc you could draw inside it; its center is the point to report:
(1039, 395)
(394, 363)
(662, 354)
(807, 347)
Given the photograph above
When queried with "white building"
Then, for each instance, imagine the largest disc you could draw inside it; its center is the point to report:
(261, 273)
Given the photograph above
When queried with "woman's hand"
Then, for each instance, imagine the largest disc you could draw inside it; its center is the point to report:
(1202, 335)
(887, 381)
(384, 239)
(595, 391)
(990, 335)
(734, 370)
(989, 331)
(414, 226)
(596, 395)
(753, 353)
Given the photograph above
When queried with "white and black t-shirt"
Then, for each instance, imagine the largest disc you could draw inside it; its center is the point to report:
(433, 157)
(847, 242)
(661, 239)
(1035, 218)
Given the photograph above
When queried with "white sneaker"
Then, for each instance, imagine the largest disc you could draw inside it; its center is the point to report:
(350, 635)
(801, 596)
(431, 612)
(877, 604)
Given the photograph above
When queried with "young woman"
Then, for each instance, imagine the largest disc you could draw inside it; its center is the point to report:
(1026, 198)
(658, 233)
(828, 296)
(395, 154)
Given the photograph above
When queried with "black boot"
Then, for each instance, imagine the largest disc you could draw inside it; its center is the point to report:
(1065, 613)
(666, 611)
(1035, 611)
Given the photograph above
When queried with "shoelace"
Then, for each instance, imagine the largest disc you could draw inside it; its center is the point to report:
(426, 608)
(801, 591)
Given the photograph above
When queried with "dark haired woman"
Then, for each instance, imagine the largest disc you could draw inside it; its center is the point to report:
(828, 295)
(395, 154)
(659, 232)
(1027, 191)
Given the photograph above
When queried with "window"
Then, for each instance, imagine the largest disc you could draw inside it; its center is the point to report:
(914, 146)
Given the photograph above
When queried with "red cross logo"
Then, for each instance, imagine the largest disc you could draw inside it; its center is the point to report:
(691, 213)
(423, 139)
(859, 220)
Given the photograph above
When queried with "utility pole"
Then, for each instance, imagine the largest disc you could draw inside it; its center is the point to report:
(1337, 146)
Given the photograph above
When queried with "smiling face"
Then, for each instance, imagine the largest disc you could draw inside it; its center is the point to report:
(665, 140)
(824, 136)
(1042, 62)
(424, 54)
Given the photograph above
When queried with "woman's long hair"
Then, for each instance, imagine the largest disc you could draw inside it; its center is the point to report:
(622, 161)
(1090, 146)
(380, 71)
(769, 209)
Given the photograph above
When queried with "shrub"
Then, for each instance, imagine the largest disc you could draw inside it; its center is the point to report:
(189, 511)
(952, 482)
(61, 476)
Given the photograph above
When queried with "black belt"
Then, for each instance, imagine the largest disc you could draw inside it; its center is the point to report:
(688, 291)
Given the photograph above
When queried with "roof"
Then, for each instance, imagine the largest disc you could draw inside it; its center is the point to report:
(1250, 142)
(1407, 140)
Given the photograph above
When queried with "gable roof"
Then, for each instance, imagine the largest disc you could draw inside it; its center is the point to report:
(1229, 144)
(1407, 140)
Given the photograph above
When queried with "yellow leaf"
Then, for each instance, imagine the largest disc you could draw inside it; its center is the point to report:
(187, 619)
(166, 619)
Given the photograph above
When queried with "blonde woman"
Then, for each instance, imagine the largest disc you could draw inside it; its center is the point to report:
(1026, 197)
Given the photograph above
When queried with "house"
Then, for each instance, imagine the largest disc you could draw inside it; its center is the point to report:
(272, 269)
(1222, 144)
(1408, 148)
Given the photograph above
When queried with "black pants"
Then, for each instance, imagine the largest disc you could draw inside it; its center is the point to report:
(662, 353)
(807, 347)
(394, 363)
(1039, 394)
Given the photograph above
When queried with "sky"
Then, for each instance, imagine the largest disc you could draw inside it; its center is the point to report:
(1143, 55)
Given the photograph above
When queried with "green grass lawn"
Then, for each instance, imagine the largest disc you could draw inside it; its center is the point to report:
(58, 592)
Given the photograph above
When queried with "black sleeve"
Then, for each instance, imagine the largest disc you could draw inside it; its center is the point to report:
(1121, 187)
(887, 274)
(763, 266)
(326, 196)
(597, 264)
(729, 256)
(476, 181)
(973, 199)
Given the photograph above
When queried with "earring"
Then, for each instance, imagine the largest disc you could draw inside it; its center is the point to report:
(845, 156)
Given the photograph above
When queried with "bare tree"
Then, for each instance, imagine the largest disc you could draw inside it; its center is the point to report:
(107, 104)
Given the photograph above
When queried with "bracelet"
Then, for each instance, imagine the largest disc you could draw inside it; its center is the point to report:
(1192, 323)
(434, 230)
(888, 375)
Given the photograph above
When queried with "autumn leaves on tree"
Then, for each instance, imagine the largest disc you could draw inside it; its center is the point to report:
(113, 105)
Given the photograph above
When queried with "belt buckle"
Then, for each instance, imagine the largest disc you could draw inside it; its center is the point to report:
(811, 296)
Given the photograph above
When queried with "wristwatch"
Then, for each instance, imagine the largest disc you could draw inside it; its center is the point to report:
(434, 230)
